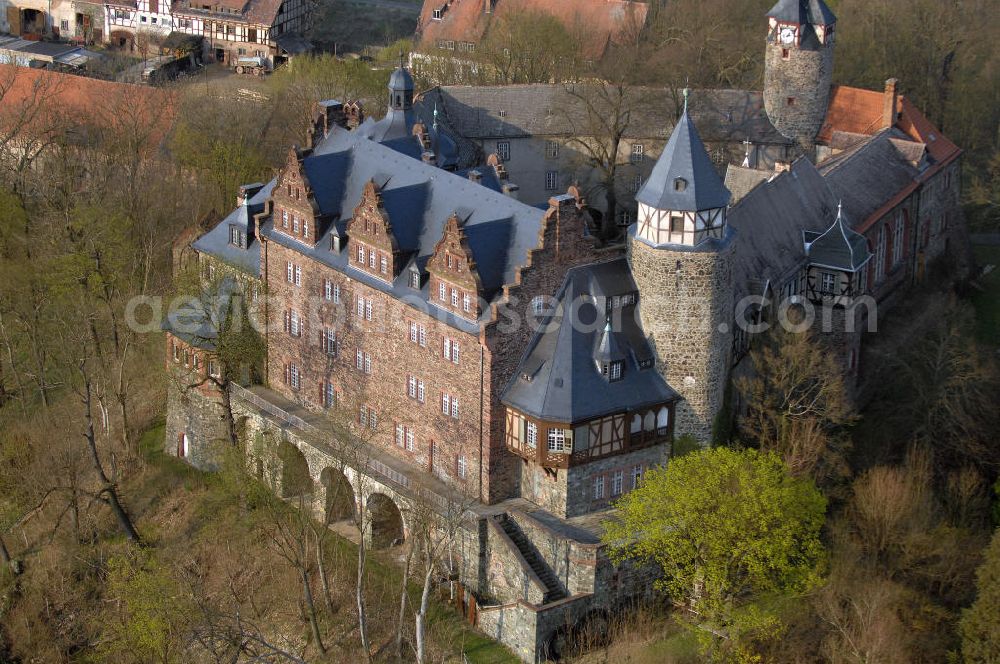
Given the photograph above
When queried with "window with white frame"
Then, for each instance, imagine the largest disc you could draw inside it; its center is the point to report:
(414, 280)
(551, 180)
(638, 153)
(452, 350)
(383, 266)
(329, 395)
(461, 466)
(560, 441)
(617, 480)
(466, 302)
(503, 150)
(599, 487)
(442, 291)
(538, 305)
(415, 388)
(897, 239)
(372, 257)
(449, 405)
(829, 283)
(361, 254)
(635, 184)
(331, 291)
(531, 435)
(328, 341)
(880, 249)
(454, 297)
(551, 150)
(293, 376)
(290, 272)
(363, 307)
(636, 476)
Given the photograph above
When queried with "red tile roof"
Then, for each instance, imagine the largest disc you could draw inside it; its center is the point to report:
(858, 111)
(40, 102)
(605, 21)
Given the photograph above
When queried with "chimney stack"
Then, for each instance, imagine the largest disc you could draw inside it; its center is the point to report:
(889, 104)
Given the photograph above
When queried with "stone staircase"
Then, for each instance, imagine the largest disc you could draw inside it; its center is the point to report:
(553, 589)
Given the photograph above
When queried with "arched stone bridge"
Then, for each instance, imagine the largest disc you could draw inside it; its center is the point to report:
(296, 453)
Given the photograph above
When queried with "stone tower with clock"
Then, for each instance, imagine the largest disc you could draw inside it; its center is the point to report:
(680, 251)
(798, 68)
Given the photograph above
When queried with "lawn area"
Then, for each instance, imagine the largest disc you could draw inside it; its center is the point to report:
(987, 301)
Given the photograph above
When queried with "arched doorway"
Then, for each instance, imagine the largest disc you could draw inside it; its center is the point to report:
(385, 521)
(339, 496)
(295, 479)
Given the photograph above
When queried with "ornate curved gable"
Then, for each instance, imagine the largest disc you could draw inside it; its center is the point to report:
(372, 245)
(454, 280)
(294, 206)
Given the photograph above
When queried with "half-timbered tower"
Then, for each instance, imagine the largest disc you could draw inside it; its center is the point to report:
(680, 252)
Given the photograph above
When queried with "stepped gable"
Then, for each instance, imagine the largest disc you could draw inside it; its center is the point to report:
(559, 379)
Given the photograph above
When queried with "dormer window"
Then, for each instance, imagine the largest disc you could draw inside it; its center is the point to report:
(436, 15)
(613, 370)
(237, 237)
(680, 184)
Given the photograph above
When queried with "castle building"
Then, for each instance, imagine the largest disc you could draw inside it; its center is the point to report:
(433, 340)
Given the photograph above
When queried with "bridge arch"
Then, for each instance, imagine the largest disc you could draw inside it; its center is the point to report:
(385, 522)
(295, 479)
(338, 496)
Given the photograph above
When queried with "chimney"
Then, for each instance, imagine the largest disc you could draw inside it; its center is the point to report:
(510, 189)
(429, 157)
(889, 104)
(782, 166)
(475, 176)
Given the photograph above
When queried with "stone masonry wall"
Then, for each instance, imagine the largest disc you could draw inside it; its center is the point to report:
(686, 307)
(198, 413)
(804, 79)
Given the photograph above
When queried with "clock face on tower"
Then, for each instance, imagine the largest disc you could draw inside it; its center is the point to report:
(787, 35)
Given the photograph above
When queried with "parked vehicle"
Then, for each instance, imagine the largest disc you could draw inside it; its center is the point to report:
(251, 65)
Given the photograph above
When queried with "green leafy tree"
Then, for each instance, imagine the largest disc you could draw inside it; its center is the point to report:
(725, 527)
(980, 626)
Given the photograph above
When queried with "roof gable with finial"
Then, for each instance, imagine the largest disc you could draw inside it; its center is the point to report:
(838, 247)
(684, 178)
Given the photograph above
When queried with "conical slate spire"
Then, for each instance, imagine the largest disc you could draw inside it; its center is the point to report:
(802, 12)
(684, 178)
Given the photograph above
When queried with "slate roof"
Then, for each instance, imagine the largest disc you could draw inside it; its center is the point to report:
(418, 198)
(838, 247)
(216, 241)
(396, 128)
(550, 110)
(605, 21)
(803, 12)
(740, 180)
(565, 384)
(869, 174)
(684, 159)
(769, 222)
